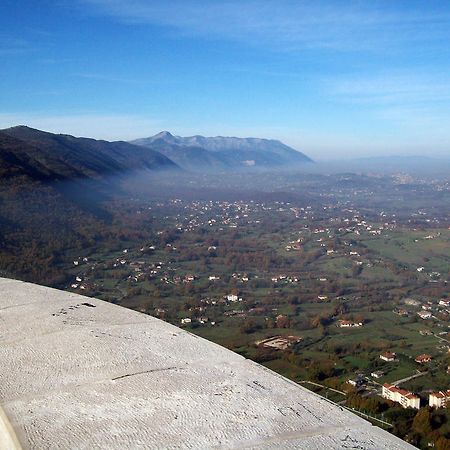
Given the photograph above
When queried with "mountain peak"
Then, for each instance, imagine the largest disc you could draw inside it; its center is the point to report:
(163, 135)
(20, 127)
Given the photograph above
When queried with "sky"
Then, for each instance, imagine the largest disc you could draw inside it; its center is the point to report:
(334, 79)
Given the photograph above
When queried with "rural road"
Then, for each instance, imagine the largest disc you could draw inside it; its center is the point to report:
(404, 380)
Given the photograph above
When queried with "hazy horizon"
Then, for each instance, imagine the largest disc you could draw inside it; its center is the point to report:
(384, 158)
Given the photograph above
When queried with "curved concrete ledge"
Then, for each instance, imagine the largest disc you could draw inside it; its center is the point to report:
(8, 438)
(80, 373)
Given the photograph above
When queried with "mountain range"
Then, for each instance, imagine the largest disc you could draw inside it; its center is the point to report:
(200, 153)
(40, 155)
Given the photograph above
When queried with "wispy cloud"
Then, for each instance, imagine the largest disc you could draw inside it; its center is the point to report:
(407, 110)
(106, 77)
(13, 46)
(55, 61)
(288, 24)
(391, 88)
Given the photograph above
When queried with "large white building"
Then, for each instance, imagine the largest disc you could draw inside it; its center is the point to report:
(439, 399)
(405, 398)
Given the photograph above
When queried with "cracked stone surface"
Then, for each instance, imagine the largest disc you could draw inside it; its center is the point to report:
(80, 373)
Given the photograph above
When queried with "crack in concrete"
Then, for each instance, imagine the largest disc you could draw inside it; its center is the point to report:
(145, 371)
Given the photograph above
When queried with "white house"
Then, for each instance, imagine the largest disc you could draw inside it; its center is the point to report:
(377, 374)
(388, 356)
(424, 314)
(349, 324)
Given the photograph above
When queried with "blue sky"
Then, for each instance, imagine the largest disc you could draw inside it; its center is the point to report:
(334, 79)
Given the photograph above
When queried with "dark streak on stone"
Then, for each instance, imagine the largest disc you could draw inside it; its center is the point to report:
(89, 305)
(144, 371)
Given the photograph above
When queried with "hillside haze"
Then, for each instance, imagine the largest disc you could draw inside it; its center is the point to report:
(199, 152)
(62, 156)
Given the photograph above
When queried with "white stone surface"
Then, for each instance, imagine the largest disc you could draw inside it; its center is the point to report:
(79, 377)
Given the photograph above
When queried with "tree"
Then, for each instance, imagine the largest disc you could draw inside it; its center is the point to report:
(422, 422)
(249, 326)
(282, 321)
(443, 443)
(320, 370)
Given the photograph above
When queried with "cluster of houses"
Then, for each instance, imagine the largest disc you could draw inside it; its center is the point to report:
(244, 278)
(80, 260)
(284, 278)
(227, 299)
(83, 284)
(420, 359)
(216, 213)
(428, 308)
(200, 320)
(294, 245)
(405, 398)
(233, 298)
(177, 279)
(409, 400)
